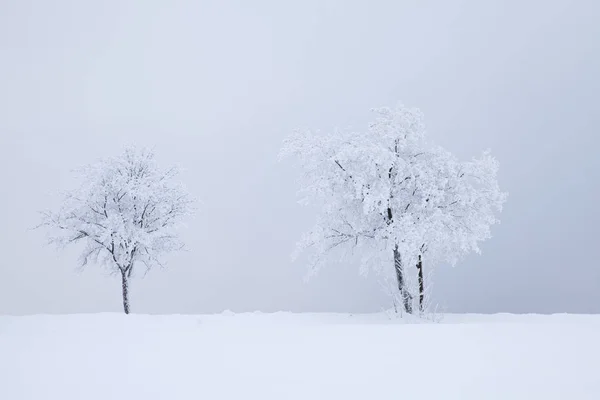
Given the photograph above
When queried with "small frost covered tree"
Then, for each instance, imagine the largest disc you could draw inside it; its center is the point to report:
(125, 212)
(396, 198)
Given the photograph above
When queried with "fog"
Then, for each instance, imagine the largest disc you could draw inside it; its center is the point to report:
(217, 85)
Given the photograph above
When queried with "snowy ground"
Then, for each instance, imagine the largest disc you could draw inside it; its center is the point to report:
(298, 356)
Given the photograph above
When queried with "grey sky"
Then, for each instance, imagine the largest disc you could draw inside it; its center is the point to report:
(217, 85)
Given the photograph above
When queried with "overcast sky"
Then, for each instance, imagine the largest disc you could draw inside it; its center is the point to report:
(217, 85)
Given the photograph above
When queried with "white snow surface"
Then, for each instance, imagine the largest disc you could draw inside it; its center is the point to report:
(298, 356)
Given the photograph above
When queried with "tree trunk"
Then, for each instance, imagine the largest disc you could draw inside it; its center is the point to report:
(421, 285)
(125, 285)
(404, 294)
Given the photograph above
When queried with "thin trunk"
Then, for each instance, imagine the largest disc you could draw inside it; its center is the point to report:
(421, 285)
(406, 298)
(125, 286)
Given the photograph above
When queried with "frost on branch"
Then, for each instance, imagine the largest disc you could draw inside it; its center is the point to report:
(388, 194)
(126, 212)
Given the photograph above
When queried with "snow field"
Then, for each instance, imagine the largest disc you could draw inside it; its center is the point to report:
(298, 356)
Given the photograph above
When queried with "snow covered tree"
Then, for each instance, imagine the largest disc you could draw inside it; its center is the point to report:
(394, 196)
(126, 212)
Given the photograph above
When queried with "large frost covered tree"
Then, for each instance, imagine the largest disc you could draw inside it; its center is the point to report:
(398, 200)
(125, 213)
